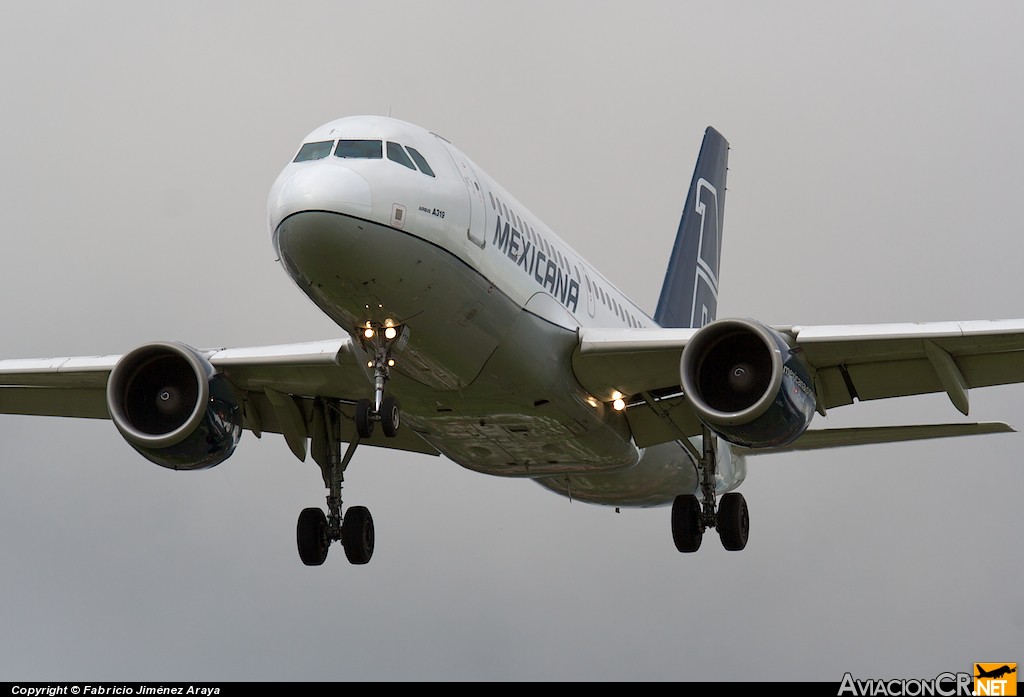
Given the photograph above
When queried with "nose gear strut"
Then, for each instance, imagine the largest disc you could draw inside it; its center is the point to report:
(380, 341)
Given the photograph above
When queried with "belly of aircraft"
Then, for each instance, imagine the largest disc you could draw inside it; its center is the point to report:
(482, 380)
(662, 473)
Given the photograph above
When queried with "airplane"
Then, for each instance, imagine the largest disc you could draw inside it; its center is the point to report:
(469, 329)
(996, 673)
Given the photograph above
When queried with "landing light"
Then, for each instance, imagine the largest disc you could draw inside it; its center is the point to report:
(390, 333)
(369, 364)
(389, 323)
(391, 362)
(368, 333)
(618, 404)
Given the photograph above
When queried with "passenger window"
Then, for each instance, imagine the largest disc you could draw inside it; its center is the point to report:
(491, 196)
(314, 151)
(420, 161)
(396, 153)
(363, 149)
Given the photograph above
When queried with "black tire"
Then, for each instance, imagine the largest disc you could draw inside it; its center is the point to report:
(357, 535)
(687, 528)
(364, 418)
(312, 536)
(733, 522)
(390, 415)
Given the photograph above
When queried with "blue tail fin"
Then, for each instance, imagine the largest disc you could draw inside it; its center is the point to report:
(689, 294)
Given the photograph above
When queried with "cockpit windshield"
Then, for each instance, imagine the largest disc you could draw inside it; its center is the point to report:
(314, 151)
(421, 161)
(396, 153)
(366, 149)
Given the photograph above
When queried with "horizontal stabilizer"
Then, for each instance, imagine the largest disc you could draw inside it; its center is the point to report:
(842, 437)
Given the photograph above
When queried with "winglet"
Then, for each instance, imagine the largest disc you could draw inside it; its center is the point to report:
(689, 293)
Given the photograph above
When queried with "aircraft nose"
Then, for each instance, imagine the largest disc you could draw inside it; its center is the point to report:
(318, 187)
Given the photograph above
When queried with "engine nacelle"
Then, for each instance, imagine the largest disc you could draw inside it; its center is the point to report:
(747, 384)
(169, 403)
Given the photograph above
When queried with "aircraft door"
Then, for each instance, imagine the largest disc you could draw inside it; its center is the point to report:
(476, 231)
(591, 305)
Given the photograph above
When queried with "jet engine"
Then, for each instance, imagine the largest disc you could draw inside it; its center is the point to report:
(747, 384)
(170, 404)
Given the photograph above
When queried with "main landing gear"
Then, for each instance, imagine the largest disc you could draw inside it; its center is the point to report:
(690, 516)
(316, 530)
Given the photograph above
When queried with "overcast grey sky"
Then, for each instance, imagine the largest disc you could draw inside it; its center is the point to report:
(875, 175)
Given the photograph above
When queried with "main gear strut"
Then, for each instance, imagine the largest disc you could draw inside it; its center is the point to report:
(690, 516)
(315, 531)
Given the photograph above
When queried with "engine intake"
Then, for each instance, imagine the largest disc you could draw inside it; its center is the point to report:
(747, 384)
(170, 404)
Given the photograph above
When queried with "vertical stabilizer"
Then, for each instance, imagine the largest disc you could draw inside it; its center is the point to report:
(689, 293)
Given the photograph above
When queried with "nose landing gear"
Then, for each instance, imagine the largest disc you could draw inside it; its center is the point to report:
(381, 341)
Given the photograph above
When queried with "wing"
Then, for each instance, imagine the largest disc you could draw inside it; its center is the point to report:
(816, 439)
(276, 385)
(896, 360)
(847, 364)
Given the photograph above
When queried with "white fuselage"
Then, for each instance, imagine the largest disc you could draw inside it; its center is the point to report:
(492, 300)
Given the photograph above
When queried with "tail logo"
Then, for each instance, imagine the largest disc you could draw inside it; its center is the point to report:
(705, 281)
